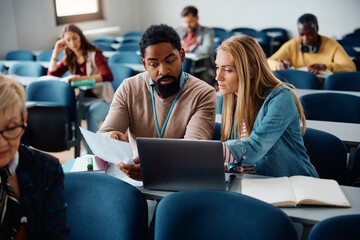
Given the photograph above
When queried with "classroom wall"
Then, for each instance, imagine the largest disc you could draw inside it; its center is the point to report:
(30, 24)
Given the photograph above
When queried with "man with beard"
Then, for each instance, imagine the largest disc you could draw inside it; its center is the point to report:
(197, 39)
(162, 102)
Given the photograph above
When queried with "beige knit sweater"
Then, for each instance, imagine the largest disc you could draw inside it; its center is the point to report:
(192, 117)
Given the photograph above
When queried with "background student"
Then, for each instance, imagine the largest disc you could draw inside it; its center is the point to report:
(164, 101)
(261, 115)
(84, 61)
(32, 202)
(197, 39)
(311, 50)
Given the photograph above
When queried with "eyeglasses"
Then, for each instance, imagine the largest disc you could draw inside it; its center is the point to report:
(13, 132)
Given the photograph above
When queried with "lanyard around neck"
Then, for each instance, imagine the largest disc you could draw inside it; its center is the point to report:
(168, 115)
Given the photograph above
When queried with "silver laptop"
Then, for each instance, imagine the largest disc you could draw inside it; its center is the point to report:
(178, 164)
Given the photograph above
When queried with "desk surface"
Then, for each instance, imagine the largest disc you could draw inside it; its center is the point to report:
(302, 92)
(304, 214)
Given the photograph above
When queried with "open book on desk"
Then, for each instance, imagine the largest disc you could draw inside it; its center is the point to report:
(295, 191)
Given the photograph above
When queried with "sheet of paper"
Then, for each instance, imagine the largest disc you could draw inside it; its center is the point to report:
(108, 149)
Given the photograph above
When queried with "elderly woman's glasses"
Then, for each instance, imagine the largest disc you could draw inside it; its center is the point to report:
(13, 132)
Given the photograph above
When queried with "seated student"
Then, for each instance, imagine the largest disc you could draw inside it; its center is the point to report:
(311, 50)
(261, 115)
(164, 101)
(85, 61)
(197, 39)
(32, 202)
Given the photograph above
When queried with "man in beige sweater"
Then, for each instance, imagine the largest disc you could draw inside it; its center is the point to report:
(161, 102)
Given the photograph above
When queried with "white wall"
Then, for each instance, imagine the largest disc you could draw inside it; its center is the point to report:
(30, 24)
(335, 17)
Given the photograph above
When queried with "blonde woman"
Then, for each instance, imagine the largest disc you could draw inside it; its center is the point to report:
(261, 115)
(32, 202)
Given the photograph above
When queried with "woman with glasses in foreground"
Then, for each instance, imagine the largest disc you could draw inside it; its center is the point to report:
(32, 201)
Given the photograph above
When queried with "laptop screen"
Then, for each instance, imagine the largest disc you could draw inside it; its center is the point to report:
(179, 164)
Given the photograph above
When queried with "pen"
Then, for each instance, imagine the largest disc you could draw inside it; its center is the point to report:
(90, 164)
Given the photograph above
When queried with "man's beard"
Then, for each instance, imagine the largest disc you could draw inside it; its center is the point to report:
(168, 89)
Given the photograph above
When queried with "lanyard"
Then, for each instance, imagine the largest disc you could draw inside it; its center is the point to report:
(168, 116)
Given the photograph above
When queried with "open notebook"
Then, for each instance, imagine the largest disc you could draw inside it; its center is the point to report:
(295, 191)
(178, 164)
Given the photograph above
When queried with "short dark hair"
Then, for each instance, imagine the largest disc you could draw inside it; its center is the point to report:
(189, 10)
(308, 18)
(158, 34)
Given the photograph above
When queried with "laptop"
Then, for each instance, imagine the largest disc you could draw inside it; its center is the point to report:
(178, 164)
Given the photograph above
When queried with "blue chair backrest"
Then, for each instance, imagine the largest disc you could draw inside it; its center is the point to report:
(2, 68)
(104, 38)
(46, 55)
(28, 69)
(20, 55)
(333, 107)
(104, 46)
(53, 92)
(343, 81)
(356, 167)
(131, 46)
(350, 51)
(279, 34)
(133, 34)
(219, 32)
(339, 227)
(217, 131)
(242, 30)
(186, 65)
(327, 153)
(104, 207)
(120, 72)
(300, 79)
(349, 42)
(219, 104)
(219, 215)
(125, 57)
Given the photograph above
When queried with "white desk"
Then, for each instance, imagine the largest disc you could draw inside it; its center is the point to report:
(8, 64)
(302, 92)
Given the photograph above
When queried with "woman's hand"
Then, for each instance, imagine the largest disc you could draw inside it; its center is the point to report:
(60, 45)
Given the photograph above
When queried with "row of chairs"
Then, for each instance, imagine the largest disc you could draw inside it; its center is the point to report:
(182, 215)
(341, 81)
(27, 55)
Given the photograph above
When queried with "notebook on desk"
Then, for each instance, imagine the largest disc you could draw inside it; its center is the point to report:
(178, 164)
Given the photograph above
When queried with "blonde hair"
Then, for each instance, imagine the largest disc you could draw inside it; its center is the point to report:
(254, 78)
(12, 98)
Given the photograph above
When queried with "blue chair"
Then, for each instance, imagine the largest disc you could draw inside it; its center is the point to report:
(300, 79)
(219, 215)
(327, 153)
(131, 46)
(47, 54)
(133, 34)
(217, 131)
(333, 107)
(56, 114)
(343, 81)
(339, 227)
(356, 168)
(104, 46)
(263, 39)
(349, 42)
(120, 72)
(278, 36)
(20, 55)
(27, 69)
(357, 63)
(2, 68)
(242, 30)
(350, 51)
(125, 57)
(186, 65)
(104, 38)
(104, 207)
(219, 32)
(219, 104)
